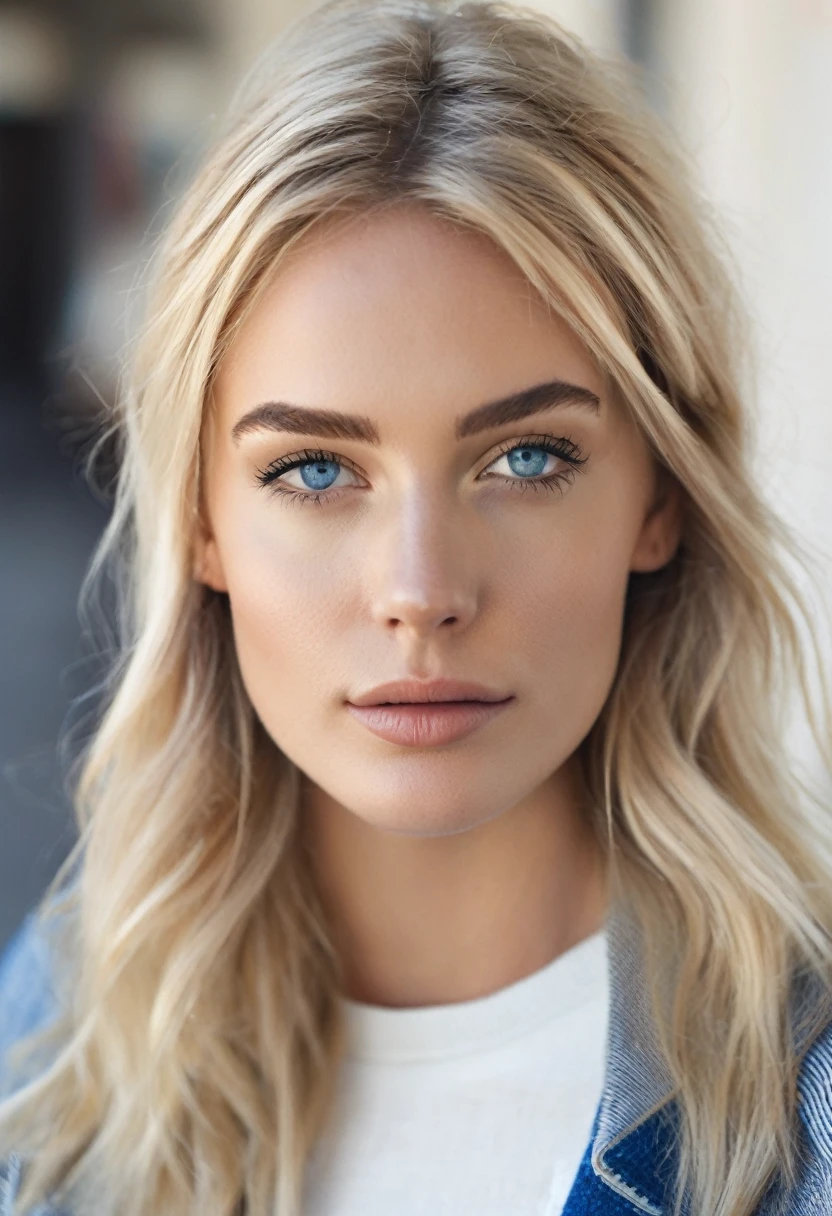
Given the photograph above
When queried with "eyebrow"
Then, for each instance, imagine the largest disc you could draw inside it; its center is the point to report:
(330, 424)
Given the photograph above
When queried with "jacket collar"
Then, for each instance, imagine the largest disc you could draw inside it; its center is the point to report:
(632, 1134)
(633, 1149)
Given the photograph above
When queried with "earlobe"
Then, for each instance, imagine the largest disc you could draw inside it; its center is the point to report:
(661, 531)
(207, 567)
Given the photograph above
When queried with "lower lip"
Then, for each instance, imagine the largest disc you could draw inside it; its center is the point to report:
(428, 723)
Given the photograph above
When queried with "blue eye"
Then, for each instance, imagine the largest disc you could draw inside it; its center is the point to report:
(527, 458)
(320, 474)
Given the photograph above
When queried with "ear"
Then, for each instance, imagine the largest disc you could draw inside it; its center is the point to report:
(207, 566)
(661, 531)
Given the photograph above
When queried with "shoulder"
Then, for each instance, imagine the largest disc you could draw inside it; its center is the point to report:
(9, 1183)
(11, 1176)
(27, 997)
(27, 1003)
(810, 1196)
(814, 1084)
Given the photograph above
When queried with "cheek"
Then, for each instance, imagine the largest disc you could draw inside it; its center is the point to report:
(570, 629)
(288, 604)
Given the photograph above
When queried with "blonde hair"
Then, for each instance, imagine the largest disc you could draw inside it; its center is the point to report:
(200, 1033)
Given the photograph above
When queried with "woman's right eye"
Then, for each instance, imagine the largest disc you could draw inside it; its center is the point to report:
(316, 473)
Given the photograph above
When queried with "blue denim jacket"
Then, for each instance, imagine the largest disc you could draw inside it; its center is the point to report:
(629, 1162)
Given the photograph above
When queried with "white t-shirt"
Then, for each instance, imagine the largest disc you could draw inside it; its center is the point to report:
(480, 1106)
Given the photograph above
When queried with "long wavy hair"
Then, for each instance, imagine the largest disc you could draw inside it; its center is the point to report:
(192, 1066)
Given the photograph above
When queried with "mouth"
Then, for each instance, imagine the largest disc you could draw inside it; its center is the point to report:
(427, 724)
(441, 690)
(433, 704)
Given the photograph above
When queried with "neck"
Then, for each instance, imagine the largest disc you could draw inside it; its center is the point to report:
(429, 920)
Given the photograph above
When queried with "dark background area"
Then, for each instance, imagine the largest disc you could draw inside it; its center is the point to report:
(88, 157)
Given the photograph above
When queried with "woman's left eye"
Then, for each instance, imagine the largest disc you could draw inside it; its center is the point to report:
(526, 462)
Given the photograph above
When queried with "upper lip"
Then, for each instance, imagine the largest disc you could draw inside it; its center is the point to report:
(404, 691)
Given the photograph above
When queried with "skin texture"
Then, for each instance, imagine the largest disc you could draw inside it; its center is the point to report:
(447, 872)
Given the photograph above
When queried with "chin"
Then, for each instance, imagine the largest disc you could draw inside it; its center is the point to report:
(417, 798)
(423, 811)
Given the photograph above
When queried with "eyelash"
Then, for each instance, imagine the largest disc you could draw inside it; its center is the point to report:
(562, 447)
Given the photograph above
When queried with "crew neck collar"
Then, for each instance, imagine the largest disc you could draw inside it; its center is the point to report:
(381, 1034)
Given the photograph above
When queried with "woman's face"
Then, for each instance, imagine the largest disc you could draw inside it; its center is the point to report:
(430, 549)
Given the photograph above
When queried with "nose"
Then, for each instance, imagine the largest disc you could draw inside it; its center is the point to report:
(424, 573)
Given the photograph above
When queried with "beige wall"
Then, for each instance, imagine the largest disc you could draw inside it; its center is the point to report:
(245, 27)
(751, 93)
(598, 22)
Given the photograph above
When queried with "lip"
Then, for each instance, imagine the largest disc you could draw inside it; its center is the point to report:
(427, 724)
(428, 691)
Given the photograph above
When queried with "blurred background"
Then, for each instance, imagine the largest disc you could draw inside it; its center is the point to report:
(104, 109)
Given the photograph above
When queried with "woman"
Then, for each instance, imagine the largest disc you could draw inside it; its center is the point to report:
(438, 401)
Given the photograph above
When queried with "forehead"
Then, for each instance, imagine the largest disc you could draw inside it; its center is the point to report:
(395, 310)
